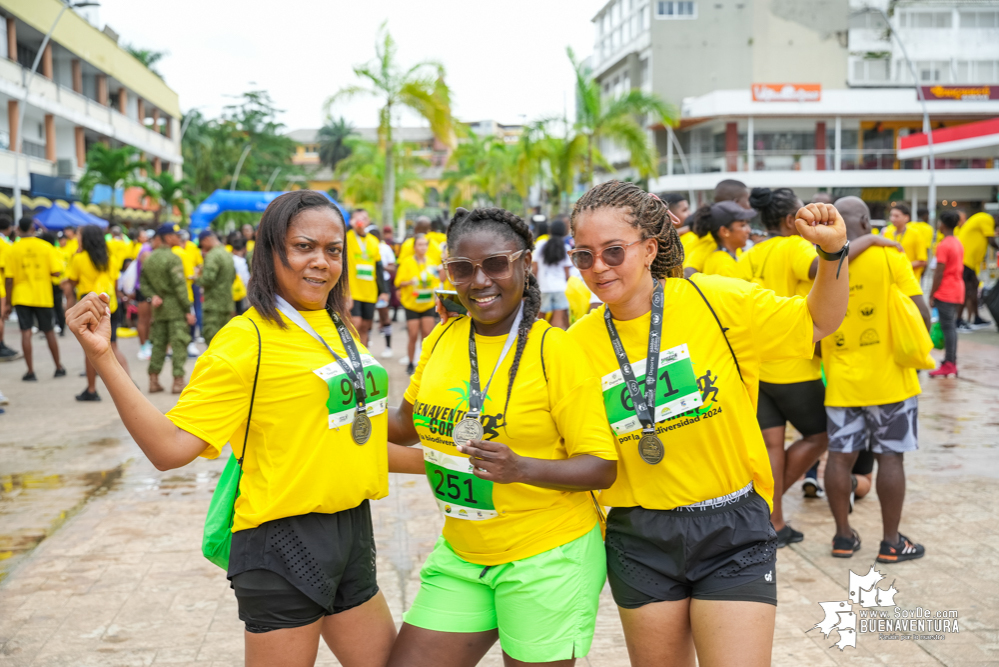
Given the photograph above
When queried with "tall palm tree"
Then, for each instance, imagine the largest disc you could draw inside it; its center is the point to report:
(333, 145)
(419, 88)
(113, 167)
(147, 57)
(168, 192)
(615, 120)
(363, 173)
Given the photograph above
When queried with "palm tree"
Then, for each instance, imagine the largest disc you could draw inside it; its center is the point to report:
(113, 167)
(565, 157)
(363, 173)
(615, 120)
(419, 88)
(333, 145)
(168, 192)
(147, 57)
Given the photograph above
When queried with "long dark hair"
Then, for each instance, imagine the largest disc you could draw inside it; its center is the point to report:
(554, 250)
(270, 239)
(648, 214)
(93, 243)
(774, 205)
(510, 227)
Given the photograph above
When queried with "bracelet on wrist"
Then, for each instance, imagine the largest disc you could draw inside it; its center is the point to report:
(832, 256)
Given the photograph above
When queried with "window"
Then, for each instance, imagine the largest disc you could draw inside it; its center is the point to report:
(979, 19)
(676, 10)
(643, 68)
(918, 19)
(871, 70)
(867, 21)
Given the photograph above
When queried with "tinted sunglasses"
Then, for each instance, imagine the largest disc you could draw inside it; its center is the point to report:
(496, 267)
(611, 256)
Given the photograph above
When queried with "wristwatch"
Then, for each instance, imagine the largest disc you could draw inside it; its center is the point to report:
(833, 256)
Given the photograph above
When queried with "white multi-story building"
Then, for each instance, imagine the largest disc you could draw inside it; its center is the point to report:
(87, 89)
(810, 94)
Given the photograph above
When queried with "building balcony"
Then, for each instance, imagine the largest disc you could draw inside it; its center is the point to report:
(62, 102)
(28, 165)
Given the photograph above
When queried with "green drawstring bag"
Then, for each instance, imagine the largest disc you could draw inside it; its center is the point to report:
(936, 335)
(217, 537)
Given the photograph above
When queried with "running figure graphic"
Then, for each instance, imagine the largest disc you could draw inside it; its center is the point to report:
(706, 385)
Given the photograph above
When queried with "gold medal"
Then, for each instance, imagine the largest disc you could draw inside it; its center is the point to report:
(650, 448)
(360, 429)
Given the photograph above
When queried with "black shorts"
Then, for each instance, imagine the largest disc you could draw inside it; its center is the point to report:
(363, 309)
(721, 552)
(864, 465)
(970, 282)
(801, 403)
(116, 321)
(291, 572)
(416, 315)
(27, 316)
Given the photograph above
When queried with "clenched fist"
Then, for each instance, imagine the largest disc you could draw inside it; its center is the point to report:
(822, 225)
(90, 322)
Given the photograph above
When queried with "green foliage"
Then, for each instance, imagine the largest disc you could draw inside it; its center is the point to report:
(116, 168)
(168, 192)
(362, 174)
(147, 57)
(333, 145)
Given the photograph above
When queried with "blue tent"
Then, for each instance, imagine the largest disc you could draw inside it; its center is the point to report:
(87, 216)
(236, 200)
(56, 218)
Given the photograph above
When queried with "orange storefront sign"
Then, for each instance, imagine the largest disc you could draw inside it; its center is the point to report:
(787, 92)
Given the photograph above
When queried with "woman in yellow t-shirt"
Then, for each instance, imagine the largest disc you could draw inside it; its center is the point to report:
(416, 282)
(306, 402)
(92, 269)
(728, 225)
(690, 548)
(513, 443)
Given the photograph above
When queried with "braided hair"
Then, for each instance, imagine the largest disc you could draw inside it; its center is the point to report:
(774, 205)
(648, 214)
(509, 227)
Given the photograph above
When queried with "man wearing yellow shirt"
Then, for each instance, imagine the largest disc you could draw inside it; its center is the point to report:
(976, 234)
(870, 400)
(697, 250)
(28, 268)
(366, 277)
(6, 230)
(422, 226)
(913, 240)
(192, 261)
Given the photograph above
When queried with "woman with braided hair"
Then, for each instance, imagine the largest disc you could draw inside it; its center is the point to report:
(690, 548)
(508, 412)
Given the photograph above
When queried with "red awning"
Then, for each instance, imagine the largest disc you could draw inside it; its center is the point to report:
(979, 139)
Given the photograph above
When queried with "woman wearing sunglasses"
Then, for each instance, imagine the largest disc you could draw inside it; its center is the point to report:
(690, 548)
(508, 412)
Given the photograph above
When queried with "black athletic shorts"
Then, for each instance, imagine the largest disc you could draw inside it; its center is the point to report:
(415, 315)
(801, 403)
(116, 321)
(363, 309)
(864, 465)
(970, 282)
(713, 552)
(291, 572)
(27, 316)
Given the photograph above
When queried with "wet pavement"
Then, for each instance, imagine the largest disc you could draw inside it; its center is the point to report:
(100, 559)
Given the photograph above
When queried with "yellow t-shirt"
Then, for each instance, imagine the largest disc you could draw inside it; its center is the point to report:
(362, 253)
(31, 263)
(782, 264)
(972, 235)
(4, 246)
(119, 250)
(716, 448)
(926, 229)
(88, 279)
(686, 239)
(300, 457)
(915, 245)
(250, 244)
(859, 362)
(554, 414)
(69, 249)
(434, 253)
(437, 240)
(187, 259)
(720, 263)
(63, 263)
(418, 297)
(697, 252)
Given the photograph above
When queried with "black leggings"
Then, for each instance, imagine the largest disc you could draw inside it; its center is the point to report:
(948, 319)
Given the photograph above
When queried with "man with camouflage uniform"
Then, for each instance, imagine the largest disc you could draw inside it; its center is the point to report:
(163, 280)
(217, 277)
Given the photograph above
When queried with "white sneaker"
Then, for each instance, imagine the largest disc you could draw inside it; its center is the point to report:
(192, 350)
(3, 399)
(145, 351)
(404, 361)
(199, 339)
(387, 353)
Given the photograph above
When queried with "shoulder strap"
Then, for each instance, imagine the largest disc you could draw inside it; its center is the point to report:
(543, 369)
(723, 329)
(448, 326)
(253, 393)
(888, 262)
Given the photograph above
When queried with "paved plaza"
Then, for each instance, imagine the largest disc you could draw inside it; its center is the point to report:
(100, 560)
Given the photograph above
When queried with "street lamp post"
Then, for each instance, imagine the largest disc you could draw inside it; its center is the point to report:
(239, 166)
(26, 79)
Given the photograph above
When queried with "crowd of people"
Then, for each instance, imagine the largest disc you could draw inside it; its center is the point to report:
(635, 355)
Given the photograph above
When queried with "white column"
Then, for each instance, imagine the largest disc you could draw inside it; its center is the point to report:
(915, 202)
(838, 152)
(750, 160)
(669, 153)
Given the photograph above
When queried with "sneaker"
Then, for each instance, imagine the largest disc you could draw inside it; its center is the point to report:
(29, 377)
(61, 373)
(387, 353)
(811, 488)
(946, 368)
(845, 547)
(199, 339)
(979, 323)
(193, 351)
(964, 327)
(88, 396)
(7, 354)
(3, 399)
(788, 535)
(410, 369)
(403, 361)
(145, 351)
(906, 549)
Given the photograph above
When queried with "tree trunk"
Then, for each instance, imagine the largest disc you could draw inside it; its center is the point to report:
(388, 185)
(589, 159)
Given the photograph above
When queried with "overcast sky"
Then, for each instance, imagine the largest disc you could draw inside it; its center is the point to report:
(504, 60)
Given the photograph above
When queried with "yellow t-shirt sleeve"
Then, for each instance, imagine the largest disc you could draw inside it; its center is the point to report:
(403, 273)
(782, 327)
(55, 261)
(922, 249)
(901, 270)
(216, 401)
(804, 256)
(576, 401)
(413, 390)
(73, 270)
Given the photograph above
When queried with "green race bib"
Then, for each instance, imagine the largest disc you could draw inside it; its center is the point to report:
(676, 390)
(424, 296)
(342, 404)
(459, 493)
(365, 271)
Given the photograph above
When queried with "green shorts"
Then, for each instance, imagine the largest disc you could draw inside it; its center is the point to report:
(545, 606)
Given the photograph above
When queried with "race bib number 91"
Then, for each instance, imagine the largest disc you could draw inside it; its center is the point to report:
(341, 403)
(459, 493)
(676, 390)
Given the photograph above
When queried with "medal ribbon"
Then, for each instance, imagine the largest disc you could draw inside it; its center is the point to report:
(354, 370)
(476, 397)
(644, 403)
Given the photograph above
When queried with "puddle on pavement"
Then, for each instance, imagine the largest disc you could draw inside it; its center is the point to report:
(35, 505)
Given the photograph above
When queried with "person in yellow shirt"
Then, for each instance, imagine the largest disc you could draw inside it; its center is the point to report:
(870, 400)
(508, 412)
(92, 270)
(697, 250)
(693, 467)
(416, 281)
(976, 234)
(278, 384)
(6, 231)
(190, 256)
(28, 269)
(249, 235)
(366, 274)
(434, 250)
(729, 228)
(915, 245)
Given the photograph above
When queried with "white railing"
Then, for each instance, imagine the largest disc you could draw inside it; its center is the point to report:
(812, 160)
(28, 165)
